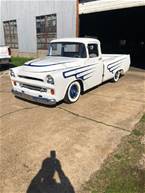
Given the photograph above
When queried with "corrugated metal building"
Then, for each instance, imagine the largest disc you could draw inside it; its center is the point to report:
(28, 26)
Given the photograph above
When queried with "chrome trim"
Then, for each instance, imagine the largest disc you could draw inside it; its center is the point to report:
(31, 87)
(38, 99)
(31, 78)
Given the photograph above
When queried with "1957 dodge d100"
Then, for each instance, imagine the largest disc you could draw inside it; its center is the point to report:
(73, 65)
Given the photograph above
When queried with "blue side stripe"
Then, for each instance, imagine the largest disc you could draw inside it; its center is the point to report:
(80, 68)
(84, 74)
(115, 68)
(65, 76)
(116, 62)
(117, 65)
(84, 71)
(74, 74)
(87, 78)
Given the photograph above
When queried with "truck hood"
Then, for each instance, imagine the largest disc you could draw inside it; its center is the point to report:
(50, 63)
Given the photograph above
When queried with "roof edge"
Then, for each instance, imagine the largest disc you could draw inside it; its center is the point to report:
(108, 5)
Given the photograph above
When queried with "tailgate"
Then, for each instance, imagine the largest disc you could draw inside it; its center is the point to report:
(4, 53)
(115, 62)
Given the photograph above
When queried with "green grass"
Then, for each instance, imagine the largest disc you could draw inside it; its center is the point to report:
(121, 173)
(18, 61)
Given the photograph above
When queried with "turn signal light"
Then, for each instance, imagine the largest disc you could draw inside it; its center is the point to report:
(52, 91)
(14, 82)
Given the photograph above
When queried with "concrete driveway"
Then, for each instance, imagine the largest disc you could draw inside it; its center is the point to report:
(82, 135)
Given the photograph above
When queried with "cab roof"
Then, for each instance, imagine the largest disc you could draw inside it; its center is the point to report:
(77, 40)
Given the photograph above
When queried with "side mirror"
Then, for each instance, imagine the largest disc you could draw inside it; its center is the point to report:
(100, 58)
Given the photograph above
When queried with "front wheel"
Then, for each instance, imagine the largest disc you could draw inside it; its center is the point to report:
(73, 92)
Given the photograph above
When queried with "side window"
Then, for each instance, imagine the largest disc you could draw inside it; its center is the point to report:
(93, 50)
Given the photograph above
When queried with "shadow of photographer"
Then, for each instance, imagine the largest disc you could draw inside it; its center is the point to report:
(45, 180)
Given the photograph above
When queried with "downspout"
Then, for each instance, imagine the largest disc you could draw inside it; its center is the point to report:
(77, 18)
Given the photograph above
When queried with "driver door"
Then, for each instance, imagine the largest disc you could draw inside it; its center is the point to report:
(95, 62)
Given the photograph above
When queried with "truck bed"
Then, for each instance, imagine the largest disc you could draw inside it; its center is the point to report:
(111, 58)
(113, 63)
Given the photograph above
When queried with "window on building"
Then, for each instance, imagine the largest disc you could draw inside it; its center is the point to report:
(10, 33)
(46, 30)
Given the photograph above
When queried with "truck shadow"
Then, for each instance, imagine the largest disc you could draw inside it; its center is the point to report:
(50, 178)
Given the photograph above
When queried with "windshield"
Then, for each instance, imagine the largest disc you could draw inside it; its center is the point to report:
(67, 49)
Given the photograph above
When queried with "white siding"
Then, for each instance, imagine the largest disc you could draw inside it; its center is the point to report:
(105, 5)
(25, 13)
(1, 27)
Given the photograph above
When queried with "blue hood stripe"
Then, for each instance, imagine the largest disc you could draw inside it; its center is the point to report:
(30, 65)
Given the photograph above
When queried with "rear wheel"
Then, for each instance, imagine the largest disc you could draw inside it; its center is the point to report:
(73, 92)
(116, 76)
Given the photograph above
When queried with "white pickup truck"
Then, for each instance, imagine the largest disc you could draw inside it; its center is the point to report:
(73, 65)
(5, 55)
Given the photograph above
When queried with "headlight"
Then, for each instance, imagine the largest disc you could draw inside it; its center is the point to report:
(12, 73)
(50, 79)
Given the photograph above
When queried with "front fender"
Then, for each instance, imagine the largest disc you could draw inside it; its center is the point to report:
(61, 85)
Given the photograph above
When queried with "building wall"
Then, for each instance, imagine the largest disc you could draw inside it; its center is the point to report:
(25, 13)
(1, 28)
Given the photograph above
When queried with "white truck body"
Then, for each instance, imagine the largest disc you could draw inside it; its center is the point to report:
(47, 80)
(5, 55)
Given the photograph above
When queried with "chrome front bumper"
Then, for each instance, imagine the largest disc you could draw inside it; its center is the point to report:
(34, 98)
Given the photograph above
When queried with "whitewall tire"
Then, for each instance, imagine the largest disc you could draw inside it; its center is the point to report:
(73, 92)
(117, 76)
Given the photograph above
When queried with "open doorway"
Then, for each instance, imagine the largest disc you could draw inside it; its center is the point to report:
(120, 31)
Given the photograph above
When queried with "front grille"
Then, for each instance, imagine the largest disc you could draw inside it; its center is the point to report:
(36, 88)
(31, 78)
